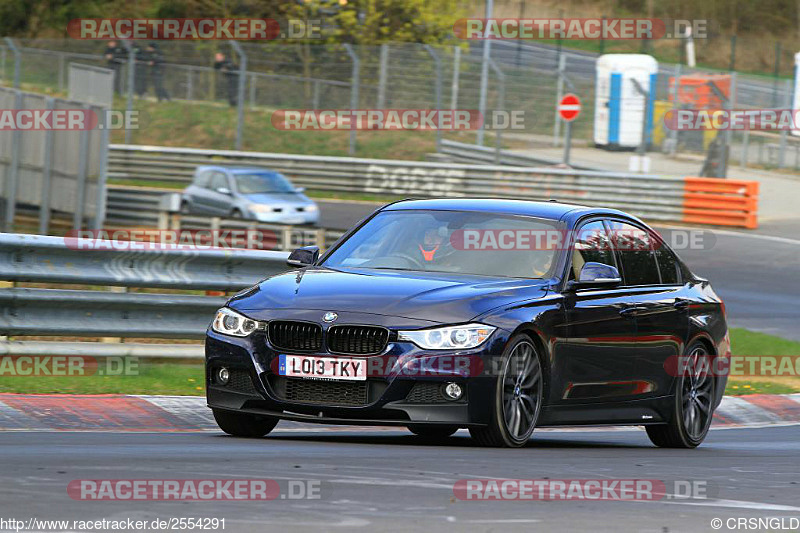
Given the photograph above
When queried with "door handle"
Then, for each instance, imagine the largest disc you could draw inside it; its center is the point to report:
(632, 311)
(681, 304)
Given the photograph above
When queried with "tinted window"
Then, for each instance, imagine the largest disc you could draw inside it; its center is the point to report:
(591, 245)
(634, 247)
(203, 179)
(219, 180)
(668, 265)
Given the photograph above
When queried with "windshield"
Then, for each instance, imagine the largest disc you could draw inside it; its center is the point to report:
(485, 244)
(258, 183)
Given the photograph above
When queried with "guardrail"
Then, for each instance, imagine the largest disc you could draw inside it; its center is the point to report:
(651, 197)
(98, 313)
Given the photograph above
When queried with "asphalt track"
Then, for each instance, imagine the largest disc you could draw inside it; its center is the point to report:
(389, 480)
(755, 273)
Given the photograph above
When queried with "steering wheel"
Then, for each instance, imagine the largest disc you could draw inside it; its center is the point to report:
(411, 259)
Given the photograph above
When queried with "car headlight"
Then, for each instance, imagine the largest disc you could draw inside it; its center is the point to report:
(449, 337)
(259, 208)
(311, 208)
(229, 322)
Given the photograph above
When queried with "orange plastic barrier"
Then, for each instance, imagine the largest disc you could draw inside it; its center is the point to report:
(721, 202)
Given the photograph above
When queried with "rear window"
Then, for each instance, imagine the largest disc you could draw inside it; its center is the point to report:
(203, 179)
(668, 265)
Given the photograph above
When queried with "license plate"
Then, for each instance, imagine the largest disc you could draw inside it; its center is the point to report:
(309, 366)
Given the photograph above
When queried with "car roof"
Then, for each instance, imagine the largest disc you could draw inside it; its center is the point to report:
(238, 170)
(550, 210)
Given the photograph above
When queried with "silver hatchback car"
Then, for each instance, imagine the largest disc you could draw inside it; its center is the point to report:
(250, 193)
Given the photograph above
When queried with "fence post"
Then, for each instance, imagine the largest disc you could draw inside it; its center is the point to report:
(787, 93)
(456, 75)
(315, 101)
(131, 78)
(501, 103)
(47, 175)
(102, 175)
(189, 82)
(240, 92)
(12, 178)
(81, 178)
(673, 134)
(438, 90)
(562, 66)
(382, 74)
(252, 91)
(60, 72)
(17, 60)
(486, 57)
(353, 94)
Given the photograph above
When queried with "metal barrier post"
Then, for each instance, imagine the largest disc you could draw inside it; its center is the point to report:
(252, 91)
(382, 74)
(501, 103)
(240, 98)
(131, 79)
(486, 56)
(562, 66)
(673, 134)
(787, 103)
(47, 175)
(353, 94)
(100, 202)
(17, 60)
(456, 75)
(81, 179)
(61, 72)
(12, 178)
(438, 89)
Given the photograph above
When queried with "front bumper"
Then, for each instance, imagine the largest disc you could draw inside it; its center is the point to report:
(391, 398)
(287, 216)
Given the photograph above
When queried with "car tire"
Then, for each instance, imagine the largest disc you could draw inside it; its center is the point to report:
(236, 214)
(432, 431)
(519, 392)
(693, 405)
(185, 208)
(244, 424)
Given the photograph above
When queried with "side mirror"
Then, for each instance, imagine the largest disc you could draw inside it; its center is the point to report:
(299, 190)
(302, 257)
(597, 275)
(224, 190)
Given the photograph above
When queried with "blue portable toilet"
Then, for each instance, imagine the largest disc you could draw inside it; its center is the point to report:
(619, 107)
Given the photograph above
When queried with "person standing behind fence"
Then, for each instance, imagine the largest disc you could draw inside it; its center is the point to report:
(230, 71)
(140, 56)
(115, 57)
(156, 62)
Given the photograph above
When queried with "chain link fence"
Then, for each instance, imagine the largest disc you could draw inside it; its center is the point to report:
(524, 78)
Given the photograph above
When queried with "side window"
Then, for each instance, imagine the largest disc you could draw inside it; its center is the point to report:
(591, 245)
(634, 247)
(219, 180)
(668, 264)
(203, 179)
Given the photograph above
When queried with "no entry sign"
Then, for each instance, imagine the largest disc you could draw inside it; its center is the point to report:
(569, 107)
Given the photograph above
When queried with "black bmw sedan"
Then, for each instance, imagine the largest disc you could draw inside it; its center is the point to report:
(498, 316)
